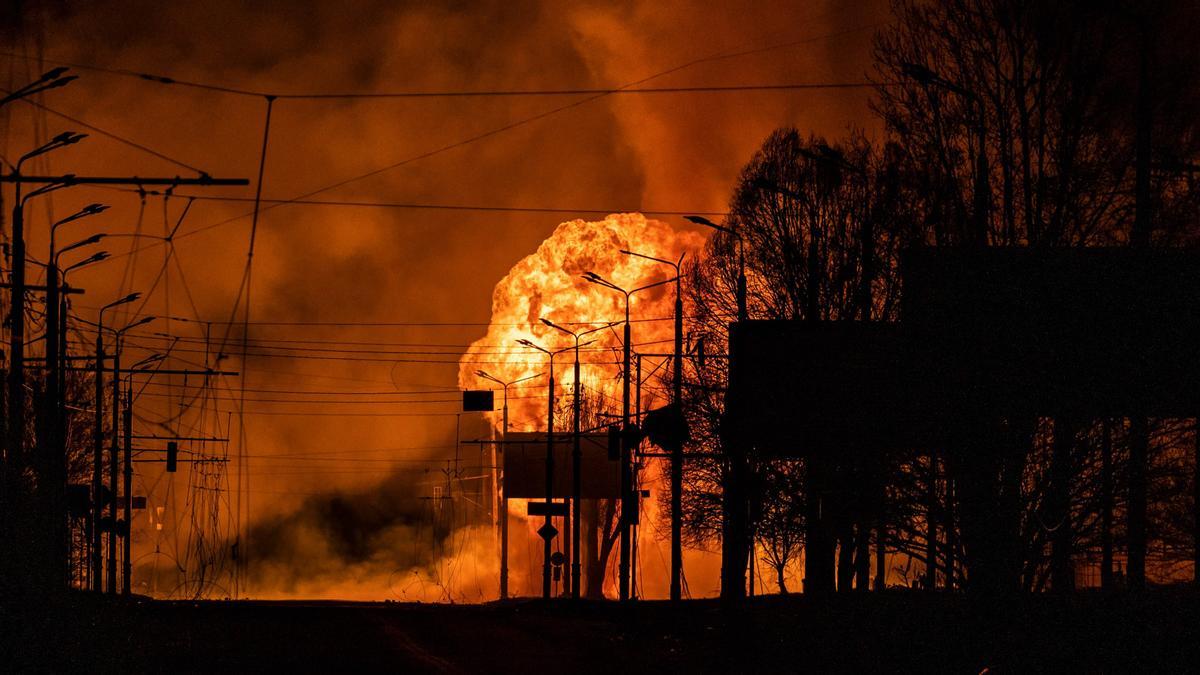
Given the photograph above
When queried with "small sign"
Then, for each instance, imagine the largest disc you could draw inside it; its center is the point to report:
(553, 509)
(547, 532)
(139, 502)
(476, 400)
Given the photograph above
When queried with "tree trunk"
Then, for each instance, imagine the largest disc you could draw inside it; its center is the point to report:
(1058, 508)
(862, 556)
(818, 542)
(1106, 507)
(931, 538)
(845, 561)
(1139, 451)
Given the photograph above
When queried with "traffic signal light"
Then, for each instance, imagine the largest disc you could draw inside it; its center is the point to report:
(172, 456)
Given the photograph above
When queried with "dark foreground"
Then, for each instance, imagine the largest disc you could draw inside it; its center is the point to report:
(1155, 632)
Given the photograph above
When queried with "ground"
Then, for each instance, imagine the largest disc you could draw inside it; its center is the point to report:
(1158, 631)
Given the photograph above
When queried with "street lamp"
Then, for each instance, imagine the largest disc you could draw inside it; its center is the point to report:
(53, 451)
(98, 454)
(502, 502)
(94, 258)
(14, 466)
(982, 195)
(546, 533)
(576, 453)
(118, 334)
(677, 450)
(741, 280)
(51, 79)
(628, 499)
(94, 239)
(144, 362)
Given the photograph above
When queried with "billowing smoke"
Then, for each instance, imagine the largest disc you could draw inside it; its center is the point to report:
(333, 502)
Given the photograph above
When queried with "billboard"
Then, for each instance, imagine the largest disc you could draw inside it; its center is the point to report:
(524, 461)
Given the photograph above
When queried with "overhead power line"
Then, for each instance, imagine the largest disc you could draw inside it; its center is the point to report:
(494, 93)
(445, 207)
(497, 93)
(108, 134)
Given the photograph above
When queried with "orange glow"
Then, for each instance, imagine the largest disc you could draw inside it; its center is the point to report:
(549, 284)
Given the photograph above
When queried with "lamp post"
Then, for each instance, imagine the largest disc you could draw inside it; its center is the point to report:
(15, 462)
(982, 189)
(628, 498)
(502, 501)
(54, 449)
(546, 548)
(576, 456)
(677, 450)
(98, 454)
(115, 462)
(741, 280)
(11, 467)
(127, 502)
(64, 307)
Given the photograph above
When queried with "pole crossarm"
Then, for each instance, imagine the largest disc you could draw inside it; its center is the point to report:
(64, 289)
(163, 371)
(190, 439)
(202, 181)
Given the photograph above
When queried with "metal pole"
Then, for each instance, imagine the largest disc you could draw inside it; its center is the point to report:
(546, 548)
(14, 464)
(127, 576)
(677, 455)
(626, 488)
(60, 409)
(743, 313)
(504, 513)
(634, 495)
(98, 463)
(576, 483)
(114, 464)
(53, 455)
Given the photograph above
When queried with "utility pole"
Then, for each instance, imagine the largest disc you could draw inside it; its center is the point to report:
(98, 462)
(576, 458)
(677, 449)
(626, 479)
(503, 498)
(577, 481)
(53, 449)
(114, 455)
(504, 513)
(127, 576)
(114, 534)
(13, 460)
(547, 537)
(98, 457)
(734, 507)
(35, 541)
(547, 531)
(16, 379)
(629, 497)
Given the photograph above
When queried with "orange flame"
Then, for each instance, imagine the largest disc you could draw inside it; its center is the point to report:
(549, 284)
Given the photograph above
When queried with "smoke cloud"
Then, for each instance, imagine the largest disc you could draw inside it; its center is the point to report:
(337, 494)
